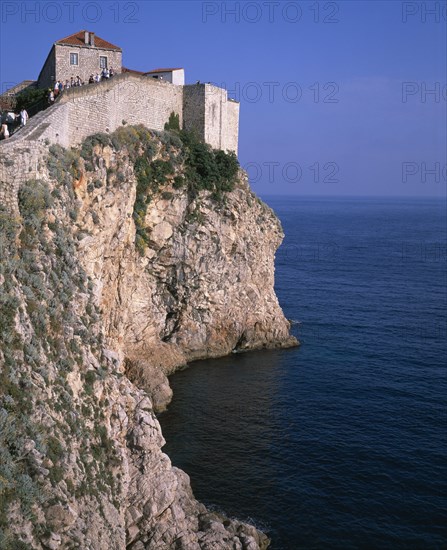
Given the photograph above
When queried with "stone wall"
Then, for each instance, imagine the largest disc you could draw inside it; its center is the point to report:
(193, 111)
(221, 119)
(231, 126)
(88, 59)
(79, 113)
(124, 99)
(19, 162)
(103, 107)
(208, 110)
(48, 72)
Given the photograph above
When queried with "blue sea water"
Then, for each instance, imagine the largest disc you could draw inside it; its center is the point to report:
(340, 443)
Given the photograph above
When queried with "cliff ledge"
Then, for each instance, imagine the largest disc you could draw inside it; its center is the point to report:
(130, 256)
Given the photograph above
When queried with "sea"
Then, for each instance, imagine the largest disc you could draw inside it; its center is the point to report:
(341, 442)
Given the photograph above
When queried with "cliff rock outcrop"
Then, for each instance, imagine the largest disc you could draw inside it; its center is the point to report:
(131, 256)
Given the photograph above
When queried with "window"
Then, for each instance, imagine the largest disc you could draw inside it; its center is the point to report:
(102, 62)
(74, 59)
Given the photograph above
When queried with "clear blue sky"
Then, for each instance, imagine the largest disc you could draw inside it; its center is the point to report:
(336, 90)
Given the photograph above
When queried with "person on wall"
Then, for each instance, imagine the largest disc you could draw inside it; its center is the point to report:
(23, 117)
(4, 133)
(11, 121)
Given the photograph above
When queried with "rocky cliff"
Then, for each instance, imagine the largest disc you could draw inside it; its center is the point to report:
(132, 255)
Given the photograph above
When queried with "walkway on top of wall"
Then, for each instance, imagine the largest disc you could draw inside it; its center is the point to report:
(34, 129)
(21, 154)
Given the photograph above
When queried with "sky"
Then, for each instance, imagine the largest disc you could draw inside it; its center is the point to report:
(337, 98)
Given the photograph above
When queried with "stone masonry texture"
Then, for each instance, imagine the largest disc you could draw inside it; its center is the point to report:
(124, 99)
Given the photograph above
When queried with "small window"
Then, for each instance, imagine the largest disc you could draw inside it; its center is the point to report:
(103, 62)
(74, 59)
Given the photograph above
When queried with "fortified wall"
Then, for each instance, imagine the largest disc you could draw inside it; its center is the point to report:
(207, 109)
(103, 107)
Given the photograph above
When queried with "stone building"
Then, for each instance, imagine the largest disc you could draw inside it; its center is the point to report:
(8, 98)
(174, 76)
(135, 97)
(80, 54)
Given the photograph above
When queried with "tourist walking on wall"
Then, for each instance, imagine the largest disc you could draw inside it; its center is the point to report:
(10, 121)
(111, 72)
(4, 131)
(23, 118)
(50, 97)
(91, 80)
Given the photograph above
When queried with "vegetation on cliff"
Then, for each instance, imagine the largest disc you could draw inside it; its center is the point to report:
(48, 326)
(81, 464)
(162, 161)
(44, 334)
(33, 100)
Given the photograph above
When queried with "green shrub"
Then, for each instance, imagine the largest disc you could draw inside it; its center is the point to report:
(173, 123)
(90, 379)
(136, 139)
(150, 177)
(91, 141)
(56, 475)
(54, 449)
(63, 164)
(207, 168)
(33, 100)
(179, 182)
(34, 200)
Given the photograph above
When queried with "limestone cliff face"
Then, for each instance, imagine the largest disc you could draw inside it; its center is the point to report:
(204, 286)
(92, 324)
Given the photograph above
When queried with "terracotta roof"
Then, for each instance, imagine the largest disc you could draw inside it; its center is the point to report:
(126, 70)
(77, 39)
(164, 70)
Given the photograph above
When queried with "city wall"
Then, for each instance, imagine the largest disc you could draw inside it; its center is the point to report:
(103, 107)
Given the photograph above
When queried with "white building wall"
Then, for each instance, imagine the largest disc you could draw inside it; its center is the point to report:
(174, 77)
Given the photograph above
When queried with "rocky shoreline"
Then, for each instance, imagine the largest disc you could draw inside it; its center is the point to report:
(94, 321)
